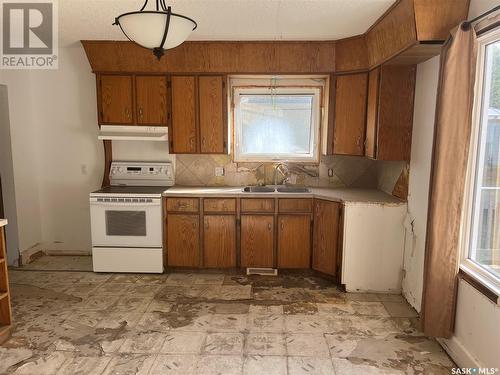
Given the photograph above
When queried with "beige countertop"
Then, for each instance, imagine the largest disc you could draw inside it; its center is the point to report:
(3, 222)
(338, 195)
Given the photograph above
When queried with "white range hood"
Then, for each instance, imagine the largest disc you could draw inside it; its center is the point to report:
(133, 133)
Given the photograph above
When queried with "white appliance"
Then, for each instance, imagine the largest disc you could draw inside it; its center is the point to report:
(126, 218)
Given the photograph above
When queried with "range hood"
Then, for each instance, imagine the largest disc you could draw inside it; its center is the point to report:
(133, 133)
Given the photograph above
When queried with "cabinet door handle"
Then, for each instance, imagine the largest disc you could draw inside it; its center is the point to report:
(282, 225)
(140, 113)
(269, 226)
(206, 224)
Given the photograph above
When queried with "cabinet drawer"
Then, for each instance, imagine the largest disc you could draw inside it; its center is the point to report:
(219, 205)
(295, 205)
(182, 204)
(257, 205)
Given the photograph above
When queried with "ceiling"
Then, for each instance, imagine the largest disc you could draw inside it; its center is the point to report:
(230, 19)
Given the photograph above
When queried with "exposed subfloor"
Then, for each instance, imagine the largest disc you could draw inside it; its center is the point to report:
(60, 263)
(86, 323)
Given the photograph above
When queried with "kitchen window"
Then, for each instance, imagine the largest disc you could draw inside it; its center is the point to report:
(482, 230)
(277, 120)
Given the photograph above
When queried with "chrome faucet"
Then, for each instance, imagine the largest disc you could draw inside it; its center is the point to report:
(283, 169)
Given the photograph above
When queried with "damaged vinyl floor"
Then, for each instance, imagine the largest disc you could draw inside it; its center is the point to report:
(180, 323)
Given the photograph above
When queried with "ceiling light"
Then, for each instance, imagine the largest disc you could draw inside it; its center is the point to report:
(158, 29)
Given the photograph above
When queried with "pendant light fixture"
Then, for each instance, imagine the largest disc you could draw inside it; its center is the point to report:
(158, 29)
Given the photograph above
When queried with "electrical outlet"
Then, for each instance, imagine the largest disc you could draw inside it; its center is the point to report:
(219, 171)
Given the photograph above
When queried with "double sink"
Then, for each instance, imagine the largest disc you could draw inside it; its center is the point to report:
(278, 189)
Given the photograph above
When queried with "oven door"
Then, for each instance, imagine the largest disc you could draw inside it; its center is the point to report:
(124, 222)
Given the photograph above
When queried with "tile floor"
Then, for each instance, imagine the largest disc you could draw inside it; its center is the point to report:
(180, 323)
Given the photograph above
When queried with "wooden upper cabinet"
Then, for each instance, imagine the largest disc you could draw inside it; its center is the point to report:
(257, 241)
(390, 112)
(349, 114)
(294, 241)
(219, 240)
(151, 100)
(115, 99)
(212, 114)
(198, 115)
(326, 237)
(184, 128)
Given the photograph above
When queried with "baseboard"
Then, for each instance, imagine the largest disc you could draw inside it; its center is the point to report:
(458, 353)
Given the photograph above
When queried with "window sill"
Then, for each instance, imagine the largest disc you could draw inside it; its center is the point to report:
(482, 284)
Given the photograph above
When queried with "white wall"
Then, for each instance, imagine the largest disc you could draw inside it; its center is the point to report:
(477, 330)
(24, 157)
(418, 189)
(54, 132)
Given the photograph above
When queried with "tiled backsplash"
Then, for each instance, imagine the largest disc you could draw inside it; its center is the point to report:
(348, 171)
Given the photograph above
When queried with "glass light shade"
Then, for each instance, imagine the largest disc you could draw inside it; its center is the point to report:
(147, 28)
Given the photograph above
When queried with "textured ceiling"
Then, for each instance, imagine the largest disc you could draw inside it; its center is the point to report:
(230, 19)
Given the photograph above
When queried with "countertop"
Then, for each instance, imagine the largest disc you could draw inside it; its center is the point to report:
(3, 222)
(332, 194)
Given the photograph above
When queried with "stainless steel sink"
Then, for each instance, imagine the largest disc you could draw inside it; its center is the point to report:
(258, 189)
(292, 189)
(279, 189)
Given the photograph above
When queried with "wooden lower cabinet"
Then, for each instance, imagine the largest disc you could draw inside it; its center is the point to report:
(219, 241)
(183, 240)
(294, 241)
(257, 240)
(326, 237)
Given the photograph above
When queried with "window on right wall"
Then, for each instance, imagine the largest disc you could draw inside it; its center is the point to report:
(482, 230)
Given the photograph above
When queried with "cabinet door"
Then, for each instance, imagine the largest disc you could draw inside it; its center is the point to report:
(213, 128)
(294, 241)
(350, 114)
(151, 100)
(183, 240)
(116, 99)
(184, 130)
(326, 236)
(372, 113)
(397, 90)
(257, 240)
(219, 241)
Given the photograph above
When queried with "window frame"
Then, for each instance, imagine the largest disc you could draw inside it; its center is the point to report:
(469, 214)
(290, 85)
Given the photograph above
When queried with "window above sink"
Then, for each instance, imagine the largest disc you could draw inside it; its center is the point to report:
(277, 119)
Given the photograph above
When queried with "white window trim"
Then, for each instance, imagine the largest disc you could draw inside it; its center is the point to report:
(467, 238)
(285, 85)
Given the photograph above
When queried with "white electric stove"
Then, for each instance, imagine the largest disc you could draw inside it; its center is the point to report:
(126, 218)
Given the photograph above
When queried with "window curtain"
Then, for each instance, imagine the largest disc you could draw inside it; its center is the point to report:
(452, 131)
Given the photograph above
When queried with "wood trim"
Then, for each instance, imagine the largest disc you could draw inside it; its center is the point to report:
(479, 286)
(194, 57)
(108, 158)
